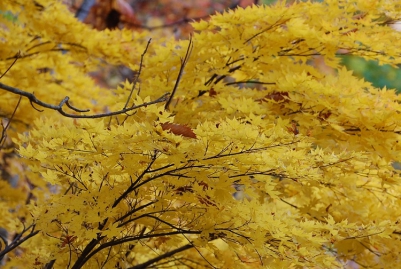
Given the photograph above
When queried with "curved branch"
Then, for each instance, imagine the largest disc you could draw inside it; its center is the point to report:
(59, 108)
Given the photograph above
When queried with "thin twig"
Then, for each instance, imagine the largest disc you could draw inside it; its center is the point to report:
(197, 250)
(276, 24)
(36, 53)
(183, 63)
(4, 134)
(133, 186)
(161, 257)
(250, 81)
(139, 73)
(17, 56)
(19, 240)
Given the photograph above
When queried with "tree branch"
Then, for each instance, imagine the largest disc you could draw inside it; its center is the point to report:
(66, 101)
(5, 128)
(183, 63)
(84, 258)
(139, 73)
(161, 257)
(19, 240)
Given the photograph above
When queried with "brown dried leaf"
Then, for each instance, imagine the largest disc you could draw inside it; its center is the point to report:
(178, 129)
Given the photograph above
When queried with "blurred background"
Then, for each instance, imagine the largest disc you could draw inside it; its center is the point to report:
(172, 18)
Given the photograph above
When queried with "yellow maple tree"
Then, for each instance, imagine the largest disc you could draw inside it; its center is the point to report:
(228, 150)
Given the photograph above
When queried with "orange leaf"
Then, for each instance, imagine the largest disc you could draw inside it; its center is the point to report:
(178, 129)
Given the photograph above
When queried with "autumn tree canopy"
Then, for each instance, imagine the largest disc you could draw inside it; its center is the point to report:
(228, 149)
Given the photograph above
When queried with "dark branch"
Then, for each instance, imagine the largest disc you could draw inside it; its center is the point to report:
(18, 240)
(84, 257)
(5, 128)
(32, 98)
(132, 211)
(161, 257)
(133, 185)
(250, 81)
(17, 56)
(250, 150)
(36, 53)
(183, 63)
(139, 73)
(50, 264)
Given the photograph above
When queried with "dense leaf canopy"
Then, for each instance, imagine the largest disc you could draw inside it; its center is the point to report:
(228, 150)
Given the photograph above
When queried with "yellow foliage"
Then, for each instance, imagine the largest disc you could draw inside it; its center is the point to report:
(285, 166)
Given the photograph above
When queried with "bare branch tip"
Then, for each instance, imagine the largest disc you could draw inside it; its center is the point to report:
(76, 109)
(37, 109)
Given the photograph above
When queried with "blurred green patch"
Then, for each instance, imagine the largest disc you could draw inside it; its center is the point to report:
(8, 15)
(268, 2)
(379, 76)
